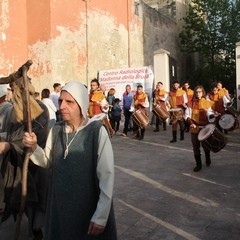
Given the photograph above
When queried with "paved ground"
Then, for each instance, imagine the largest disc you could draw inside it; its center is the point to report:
(158, 196)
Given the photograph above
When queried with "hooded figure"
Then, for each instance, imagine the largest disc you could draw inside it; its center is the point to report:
(80, 154)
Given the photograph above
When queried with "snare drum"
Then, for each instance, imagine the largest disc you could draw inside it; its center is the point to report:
(211, 138)
(140, 119)
(228, 122)
(160, 112)
(175, 115)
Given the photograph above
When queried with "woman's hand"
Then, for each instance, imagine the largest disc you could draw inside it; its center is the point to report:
(95, 229)
(30, 140)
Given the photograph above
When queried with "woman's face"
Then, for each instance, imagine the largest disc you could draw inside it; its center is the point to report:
(199, 93)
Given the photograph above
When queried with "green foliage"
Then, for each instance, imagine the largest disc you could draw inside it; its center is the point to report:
(212, 29)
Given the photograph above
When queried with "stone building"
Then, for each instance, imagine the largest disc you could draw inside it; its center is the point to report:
(74, 40)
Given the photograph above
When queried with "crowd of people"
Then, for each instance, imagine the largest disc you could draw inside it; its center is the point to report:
(190, 109)
(72, 162)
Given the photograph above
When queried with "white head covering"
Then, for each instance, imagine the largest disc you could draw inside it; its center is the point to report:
(79, 92)
(3, 90)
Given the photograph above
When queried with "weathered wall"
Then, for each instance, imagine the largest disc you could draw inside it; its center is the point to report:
(159, 32)
(65, 40)
(13, 34)
(74, 41)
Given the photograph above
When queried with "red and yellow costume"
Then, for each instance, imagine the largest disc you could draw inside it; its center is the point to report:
(159, 95)
(218, 102)
(189, 93)
(222, 92)
(176, 98)
(139, 100)
(196, 115)
(199, 111)
(95, 100)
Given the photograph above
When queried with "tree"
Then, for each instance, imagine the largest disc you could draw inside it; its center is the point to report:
(212, 28)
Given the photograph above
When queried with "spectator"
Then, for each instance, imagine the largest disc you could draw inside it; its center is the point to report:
(50, 106)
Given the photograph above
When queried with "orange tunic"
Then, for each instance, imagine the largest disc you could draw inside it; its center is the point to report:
(176, 98)
(189, 93)
(218, 102)
(222, 92)
(199, 111)
(161, 94)
(95, 100)
(138, 99)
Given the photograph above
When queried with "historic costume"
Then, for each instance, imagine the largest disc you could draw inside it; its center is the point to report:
(11, 168)
(197, 114)
(82, 176)
(97, 102)
(140, 102)
(160, 98)
(38, 178)
(177, 101)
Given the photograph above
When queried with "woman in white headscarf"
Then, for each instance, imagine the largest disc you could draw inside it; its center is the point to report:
(80, 154)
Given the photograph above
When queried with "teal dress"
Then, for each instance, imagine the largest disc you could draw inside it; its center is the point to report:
(75, 187)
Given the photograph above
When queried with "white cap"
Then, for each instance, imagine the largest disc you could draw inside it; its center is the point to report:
(3, 90)
(79, 92)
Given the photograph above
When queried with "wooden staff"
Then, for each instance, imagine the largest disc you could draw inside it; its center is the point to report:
(27, 151)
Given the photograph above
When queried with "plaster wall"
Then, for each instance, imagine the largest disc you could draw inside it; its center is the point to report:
(67, 41)
(74, 41)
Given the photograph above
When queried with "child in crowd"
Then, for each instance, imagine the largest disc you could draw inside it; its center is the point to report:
(117, 115)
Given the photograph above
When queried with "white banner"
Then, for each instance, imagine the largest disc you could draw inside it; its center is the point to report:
(119, 78)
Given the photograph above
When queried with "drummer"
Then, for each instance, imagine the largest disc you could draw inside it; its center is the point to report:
(222, 91)
(177, 100)
(220, 102)
(189, 92)
(161, 97)
(139, 102)
(98, 103)
(198, 114)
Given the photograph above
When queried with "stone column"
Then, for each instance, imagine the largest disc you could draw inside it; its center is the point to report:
(161, 68)
(238, 74)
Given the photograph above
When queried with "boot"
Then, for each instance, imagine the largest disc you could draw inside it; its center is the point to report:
(164, 126)
(156, 129)
(174, 134)
(157, 125)
(198, 163)
(208, 159)
(142, 134)
(181, 135)
(136, 135)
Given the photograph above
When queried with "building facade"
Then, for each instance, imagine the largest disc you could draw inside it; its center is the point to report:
(74, 40)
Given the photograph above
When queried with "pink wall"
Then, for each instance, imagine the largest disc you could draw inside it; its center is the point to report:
(27, 22)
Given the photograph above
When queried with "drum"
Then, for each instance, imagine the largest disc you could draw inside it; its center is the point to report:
(211, 138)
(231, 110)
(175, 115)
(102, 117)
(228, 122)
(140, 119)
(160, 112)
